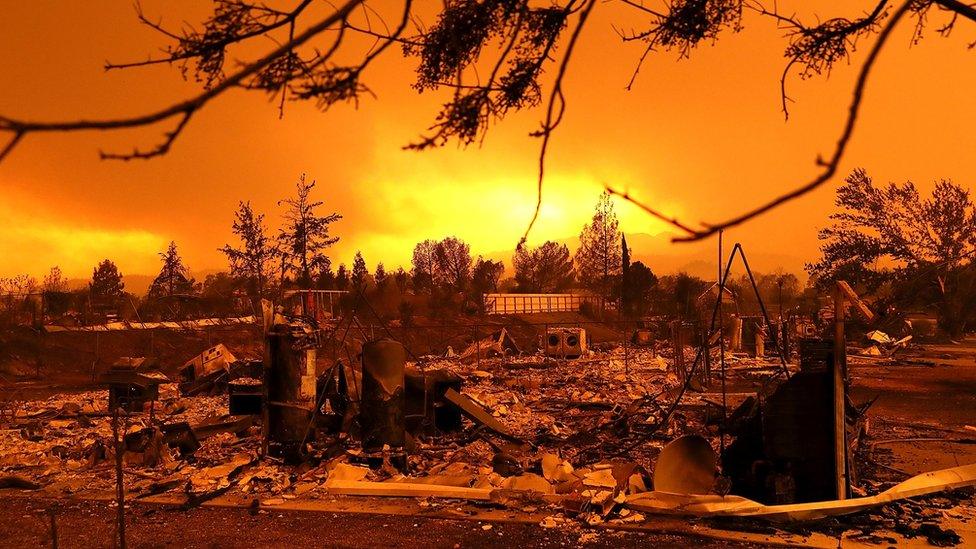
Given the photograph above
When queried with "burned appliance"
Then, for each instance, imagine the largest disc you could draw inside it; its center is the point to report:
(567, 343)
(207, 372)
(211, 360)
(425, 403)
(289, 376)
(498, 343)
(245, 396)
(381, 413)
(132, 385)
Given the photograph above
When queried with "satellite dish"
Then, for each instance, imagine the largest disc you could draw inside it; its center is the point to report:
(686, 465)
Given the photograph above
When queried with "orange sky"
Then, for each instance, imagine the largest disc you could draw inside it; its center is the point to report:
(701, 138)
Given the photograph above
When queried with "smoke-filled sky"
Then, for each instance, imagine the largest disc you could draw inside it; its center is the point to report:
(702, 139)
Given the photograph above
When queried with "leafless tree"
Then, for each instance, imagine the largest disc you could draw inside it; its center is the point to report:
(517, 39)
(55, 281)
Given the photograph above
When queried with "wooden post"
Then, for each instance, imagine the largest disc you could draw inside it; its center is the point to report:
(95, 361)
(760, 340)
(839, 371)
(52, 512)
(118, 433)
(678, 345)
(545, 345)
(706, 373)
(626, 353)
(736, 344)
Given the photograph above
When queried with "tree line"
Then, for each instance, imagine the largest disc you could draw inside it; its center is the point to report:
(904, 251)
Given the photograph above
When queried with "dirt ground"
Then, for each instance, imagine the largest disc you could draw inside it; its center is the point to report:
(936, 401)
(25, 522)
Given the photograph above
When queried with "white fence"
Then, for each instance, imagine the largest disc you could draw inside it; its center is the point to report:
(501, 304)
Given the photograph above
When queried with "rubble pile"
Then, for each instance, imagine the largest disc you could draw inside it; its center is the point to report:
(574, 440)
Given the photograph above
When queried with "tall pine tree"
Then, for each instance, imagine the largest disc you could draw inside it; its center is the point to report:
(598, 259)
(174, 277)
(251, 264)
(305, 236)
(106, 284)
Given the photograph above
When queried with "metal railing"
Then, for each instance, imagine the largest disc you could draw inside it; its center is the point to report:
(500, 304)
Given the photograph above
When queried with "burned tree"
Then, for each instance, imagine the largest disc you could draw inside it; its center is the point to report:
(314, 58)
(680, 293)
(637, 287)
(379, 275)
(485, 276)
(251, 264)
(305, 236)
(54, 281)
(402, 279)
(342, 277)
(920, 248)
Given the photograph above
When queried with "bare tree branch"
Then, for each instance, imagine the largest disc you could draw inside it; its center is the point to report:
(286, 18)
(965, 10)
(829, 167)
(20, 128)
(18, 135)
(526, 36)
(552, 121)
(817, 48)
(667, 219)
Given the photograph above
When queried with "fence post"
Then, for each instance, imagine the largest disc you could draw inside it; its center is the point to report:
(626, 352)
(545, 344)
(119, 488)
(95, 361)
(52, 511)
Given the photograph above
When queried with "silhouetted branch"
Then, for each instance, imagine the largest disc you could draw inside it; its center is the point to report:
(667, 219)
(18, 135)
(189, 48)
(158, 150)
(965, 10)
(553, 118)
(817, 48)
(830, 166)
(525, 37)
(185, 109)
